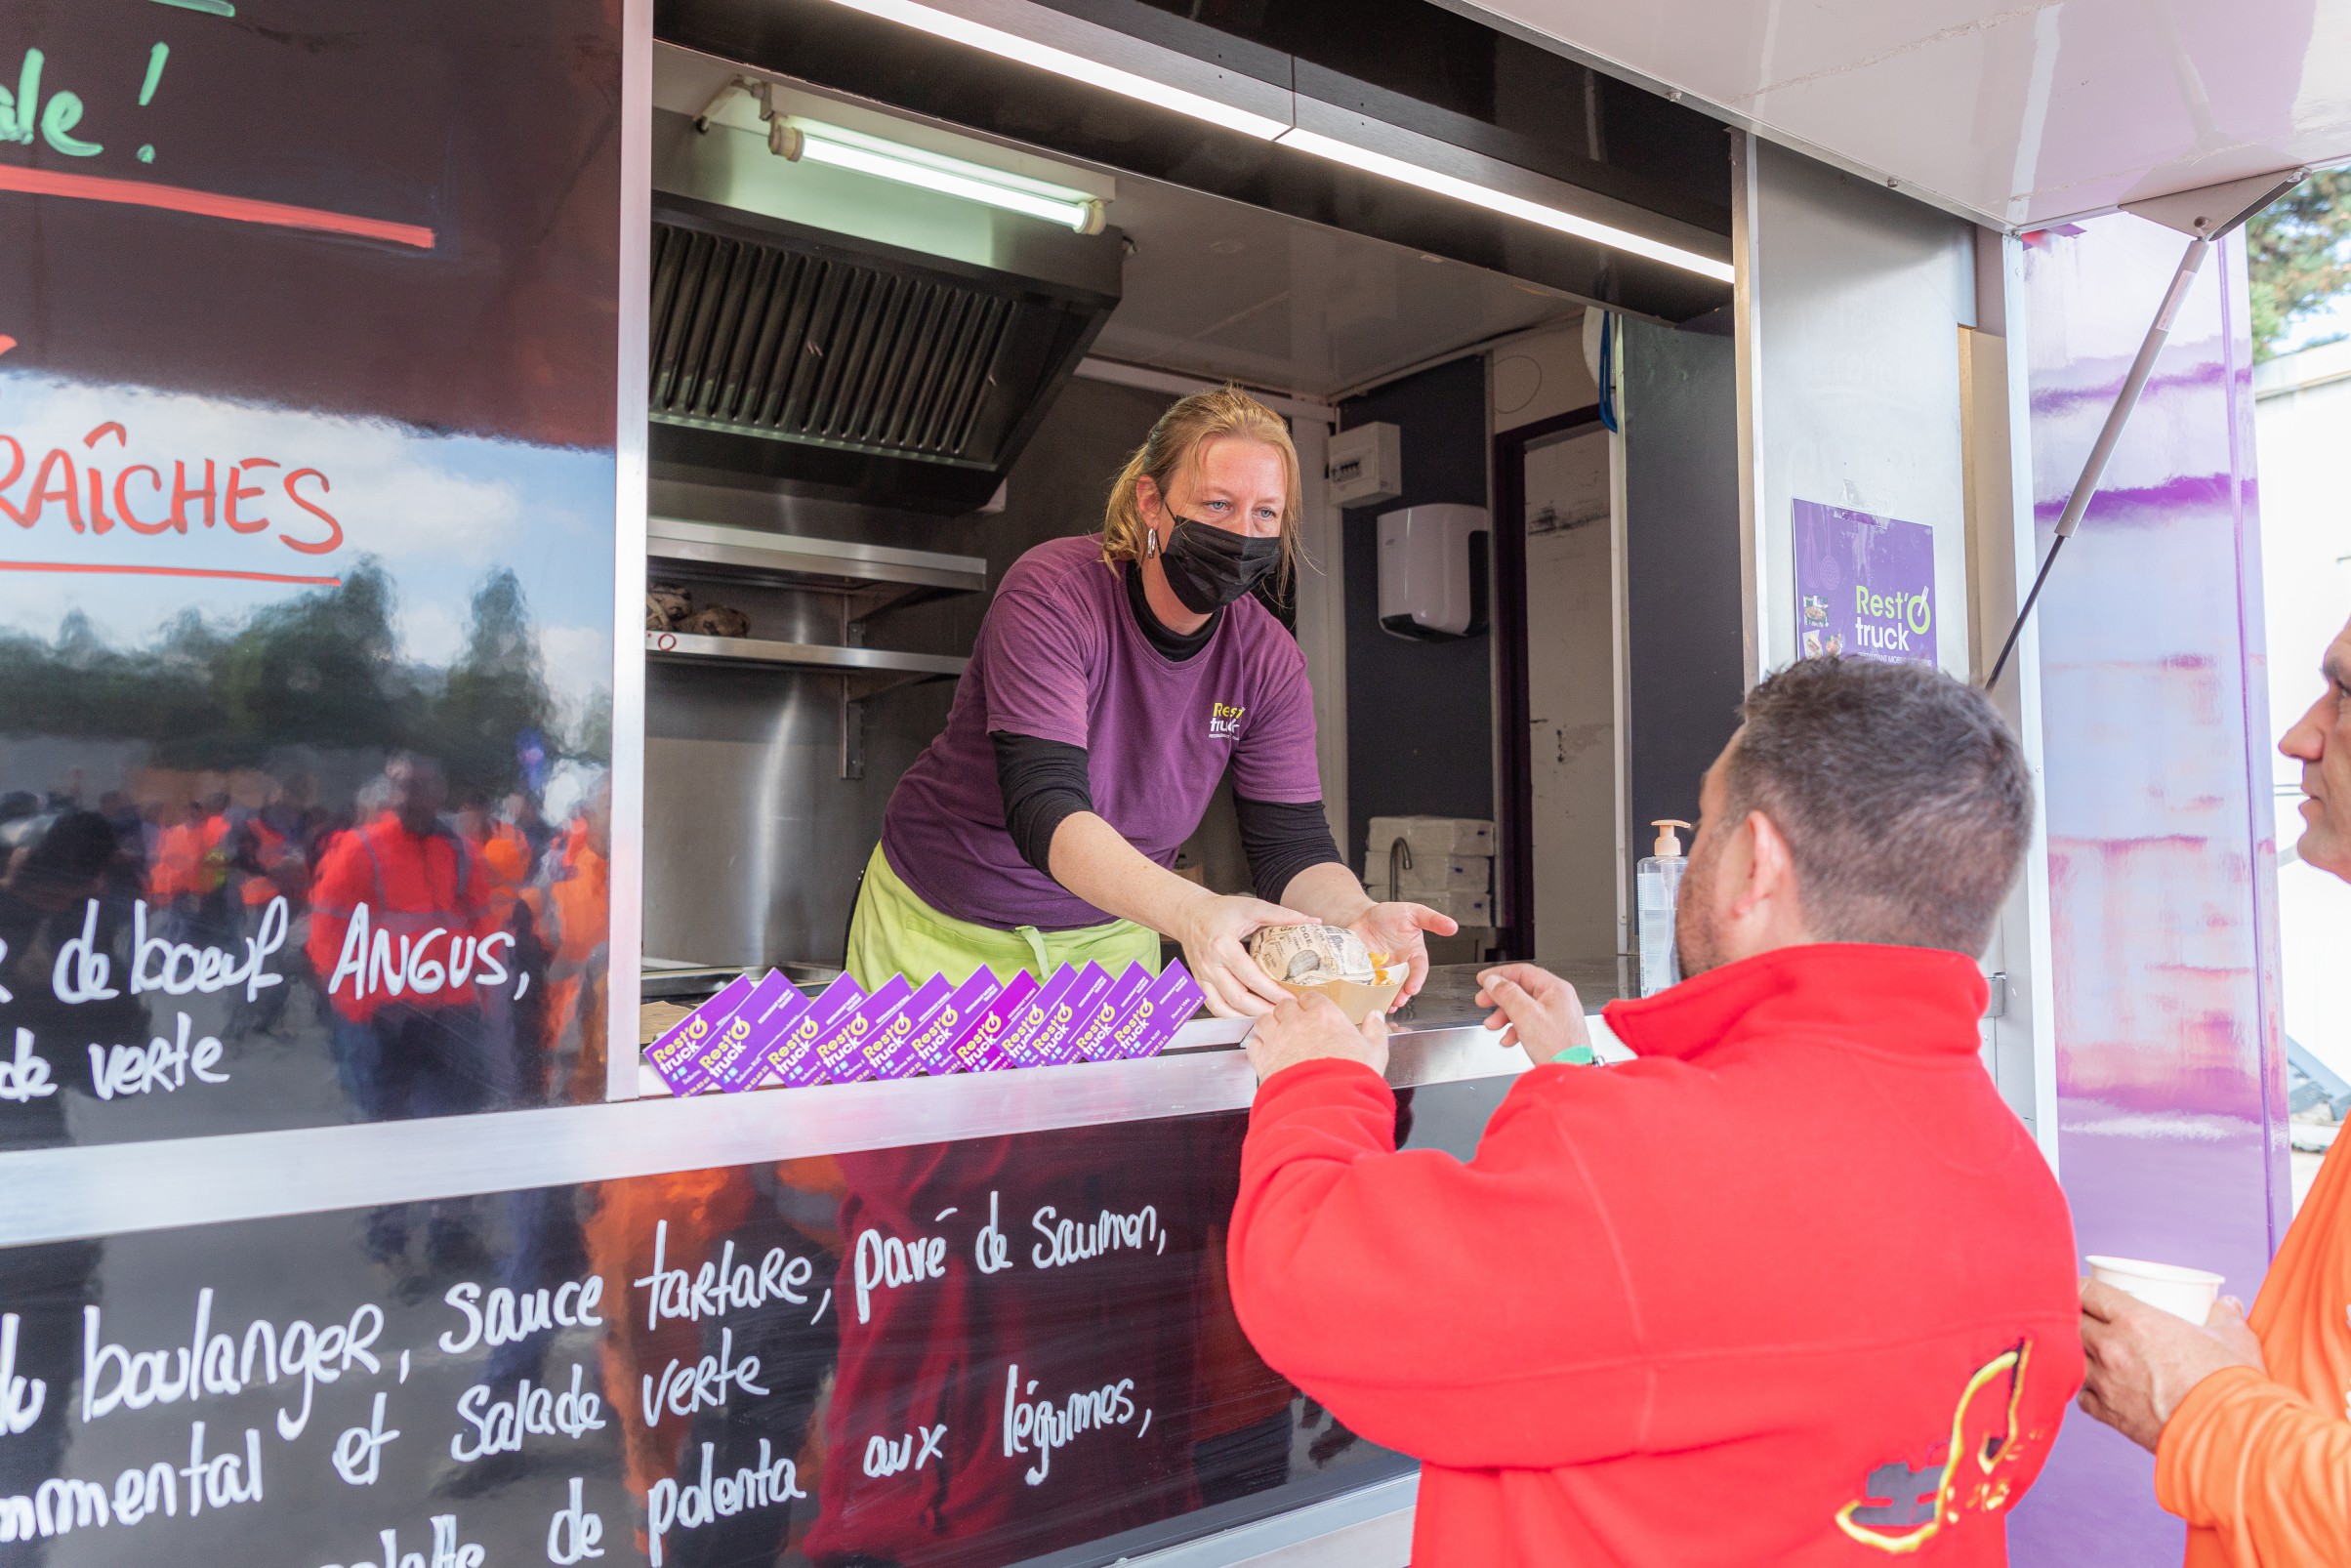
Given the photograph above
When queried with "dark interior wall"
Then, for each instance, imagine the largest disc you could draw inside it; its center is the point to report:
(1420, 715)
(1685, 649)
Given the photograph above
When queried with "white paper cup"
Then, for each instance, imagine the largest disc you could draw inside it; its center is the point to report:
(2187, 1293)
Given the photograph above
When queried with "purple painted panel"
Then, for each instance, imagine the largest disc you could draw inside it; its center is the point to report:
(2169, 1065)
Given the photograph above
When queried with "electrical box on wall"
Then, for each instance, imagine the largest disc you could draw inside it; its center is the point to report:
(1432, 570)
(1365, 466)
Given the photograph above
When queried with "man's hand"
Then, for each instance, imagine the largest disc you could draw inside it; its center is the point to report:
(2143, 1360)
(1310, 1028)
(1537, 1011)
(1399, 933)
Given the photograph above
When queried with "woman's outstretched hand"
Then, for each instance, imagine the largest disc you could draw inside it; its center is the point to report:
(1399, 933)
(1214, 930)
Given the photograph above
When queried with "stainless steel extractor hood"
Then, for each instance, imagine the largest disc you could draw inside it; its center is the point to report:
(855, 337)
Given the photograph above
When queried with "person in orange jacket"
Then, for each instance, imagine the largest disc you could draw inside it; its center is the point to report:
(402, 938)
(2249, 1418)
(190, 874)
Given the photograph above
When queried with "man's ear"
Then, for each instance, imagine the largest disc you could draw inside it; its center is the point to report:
(1771, 868)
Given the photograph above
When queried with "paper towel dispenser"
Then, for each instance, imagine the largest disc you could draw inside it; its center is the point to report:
(1432, 570)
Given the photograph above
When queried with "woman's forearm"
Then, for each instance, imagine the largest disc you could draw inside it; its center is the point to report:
(1092, 860)
(1328, 892)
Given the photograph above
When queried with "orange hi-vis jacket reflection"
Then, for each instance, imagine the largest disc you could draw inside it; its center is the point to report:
(403, 918)
(189, 859)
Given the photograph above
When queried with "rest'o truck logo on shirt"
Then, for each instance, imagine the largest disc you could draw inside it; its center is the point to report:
(1224, 721)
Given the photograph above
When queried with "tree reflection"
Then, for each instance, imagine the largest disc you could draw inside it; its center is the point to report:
(322, 669)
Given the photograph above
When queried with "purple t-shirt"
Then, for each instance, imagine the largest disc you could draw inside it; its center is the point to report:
(1059, 657)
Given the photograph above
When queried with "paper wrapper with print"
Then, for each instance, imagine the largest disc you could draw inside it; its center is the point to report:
(1328, 960)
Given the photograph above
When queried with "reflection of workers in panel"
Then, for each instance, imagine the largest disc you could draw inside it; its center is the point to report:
(190, 878)
(408, 1026)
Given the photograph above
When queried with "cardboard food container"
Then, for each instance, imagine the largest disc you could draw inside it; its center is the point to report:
(1331, 961)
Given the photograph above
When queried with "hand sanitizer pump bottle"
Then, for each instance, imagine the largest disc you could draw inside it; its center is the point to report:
(1656, 887)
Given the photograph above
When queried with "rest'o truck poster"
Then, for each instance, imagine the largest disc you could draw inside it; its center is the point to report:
(1864, 585)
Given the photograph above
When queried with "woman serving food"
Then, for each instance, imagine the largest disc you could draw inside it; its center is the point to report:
(1118, 677)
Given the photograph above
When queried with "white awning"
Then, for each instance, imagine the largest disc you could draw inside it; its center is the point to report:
(2018, 112)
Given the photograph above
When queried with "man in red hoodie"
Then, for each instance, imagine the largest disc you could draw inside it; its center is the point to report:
(1794, 1287)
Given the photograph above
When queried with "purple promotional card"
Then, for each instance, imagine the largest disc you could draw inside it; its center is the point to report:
(673, 1054)
(1058, 1042)
(890, 1051)
(1171, 999)
(729, 1059)
(975, 1050)
(1025, 1036)
(840, 1050)
(928, 1044)
(770, 1024)
(793, 1058)
(1864, 585)
(1091, 1042)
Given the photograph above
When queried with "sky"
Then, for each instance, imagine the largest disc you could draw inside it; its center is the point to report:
(437, 513)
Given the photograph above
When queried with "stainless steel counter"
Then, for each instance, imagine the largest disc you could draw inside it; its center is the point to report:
(1445, 1002)
(53, 1194)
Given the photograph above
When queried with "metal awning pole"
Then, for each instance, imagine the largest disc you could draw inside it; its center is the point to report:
(2204, 215)
(2109, 434)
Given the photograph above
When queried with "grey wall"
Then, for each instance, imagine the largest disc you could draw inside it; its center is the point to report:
(1854, 297)
(1420, 715)
(1684, 659)
(753, 839)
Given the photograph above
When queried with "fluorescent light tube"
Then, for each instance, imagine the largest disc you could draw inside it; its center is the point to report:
(1444, 185)
(1045, 57)
(814, 143)
(1061, 62)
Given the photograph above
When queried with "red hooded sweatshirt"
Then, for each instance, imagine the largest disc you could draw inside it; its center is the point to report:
(1794, 1286)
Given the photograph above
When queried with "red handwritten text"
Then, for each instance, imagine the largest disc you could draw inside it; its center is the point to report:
(197, 493)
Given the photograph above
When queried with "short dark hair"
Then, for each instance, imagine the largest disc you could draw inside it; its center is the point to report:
(1901, 792)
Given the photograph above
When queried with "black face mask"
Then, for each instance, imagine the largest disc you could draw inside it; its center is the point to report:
(1209, 568)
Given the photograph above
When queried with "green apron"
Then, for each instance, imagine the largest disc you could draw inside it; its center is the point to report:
(894, 932)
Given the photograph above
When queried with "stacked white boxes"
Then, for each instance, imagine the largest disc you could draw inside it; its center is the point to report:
(1445, 862)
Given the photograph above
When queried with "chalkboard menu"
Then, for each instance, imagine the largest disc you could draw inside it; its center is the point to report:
(307, 349)
(970, 1353)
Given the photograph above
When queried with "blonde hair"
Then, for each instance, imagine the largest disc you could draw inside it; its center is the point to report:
(1173, 446)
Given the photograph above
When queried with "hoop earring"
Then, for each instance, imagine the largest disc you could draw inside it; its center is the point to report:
(1150, 543)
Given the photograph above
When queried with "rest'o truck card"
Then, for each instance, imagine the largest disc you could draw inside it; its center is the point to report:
(1058, 1044)
(727, 1059)
(1090, 1041)
(770, 1023)
(888, 1049)
(674, 1054)
(793, 1056)
(929, 1045)
(976, 1048)
(1171, 1000)
(1023, 1037)
(840, 1050)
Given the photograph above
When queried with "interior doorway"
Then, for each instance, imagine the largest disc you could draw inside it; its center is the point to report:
(1555, 494)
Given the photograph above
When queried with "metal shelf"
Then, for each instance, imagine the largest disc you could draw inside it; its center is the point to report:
(868, 578)
(873, 670)
(863, 672)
